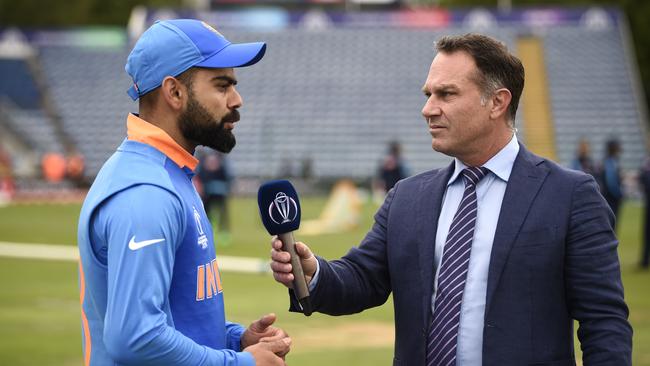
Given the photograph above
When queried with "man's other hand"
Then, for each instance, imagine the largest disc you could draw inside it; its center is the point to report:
(266, 353)
(262, 330)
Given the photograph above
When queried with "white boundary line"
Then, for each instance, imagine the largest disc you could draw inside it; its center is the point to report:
(70, 253)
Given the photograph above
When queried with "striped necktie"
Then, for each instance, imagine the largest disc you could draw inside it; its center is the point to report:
(443, 330)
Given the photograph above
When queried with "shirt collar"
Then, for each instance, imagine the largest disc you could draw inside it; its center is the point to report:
(500, 164)
(147, 133)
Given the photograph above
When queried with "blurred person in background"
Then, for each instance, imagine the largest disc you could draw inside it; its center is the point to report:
(611, 182)
(583, 160)
(644, 178)
(216, 177)
(53, 165)
(392, 168)
(285, 169)
(490, 259)
(7, 188)
(150, 285)
(75, 166)
(307, 169)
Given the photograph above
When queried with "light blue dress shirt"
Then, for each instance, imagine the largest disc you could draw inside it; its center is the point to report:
(489, 192)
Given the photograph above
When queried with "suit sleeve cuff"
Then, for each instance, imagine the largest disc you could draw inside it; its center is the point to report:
(294, 304)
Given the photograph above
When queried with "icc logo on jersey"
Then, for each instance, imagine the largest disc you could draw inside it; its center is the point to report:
(203, 239)
(283, 209)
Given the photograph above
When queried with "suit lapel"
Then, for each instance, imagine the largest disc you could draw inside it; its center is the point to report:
(432, 191)
(525, 181)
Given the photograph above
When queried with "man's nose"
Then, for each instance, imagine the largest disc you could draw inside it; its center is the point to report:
(431, 108)
(235, 101)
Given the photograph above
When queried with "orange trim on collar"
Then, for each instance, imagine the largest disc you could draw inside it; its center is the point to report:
(140, 130)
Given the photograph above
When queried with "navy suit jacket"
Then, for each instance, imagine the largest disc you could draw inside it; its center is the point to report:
(554, 259)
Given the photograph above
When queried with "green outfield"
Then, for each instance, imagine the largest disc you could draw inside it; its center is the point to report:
(39, 300)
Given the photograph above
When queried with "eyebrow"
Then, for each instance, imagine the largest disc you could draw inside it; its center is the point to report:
(446, 86)
(225, 78)
(440, 88)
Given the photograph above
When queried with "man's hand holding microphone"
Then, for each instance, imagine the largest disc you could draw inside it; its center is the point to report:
(281, 262)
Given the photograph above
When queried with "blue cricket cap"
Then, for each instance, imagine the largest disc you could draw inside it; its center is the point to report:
(170, 47)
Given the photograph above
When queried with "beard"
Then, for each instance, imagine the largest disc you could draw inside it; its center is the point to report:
(198, 125)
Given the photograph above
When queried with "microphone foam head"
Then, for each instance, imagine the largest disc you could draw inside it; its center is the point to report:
(279, 207)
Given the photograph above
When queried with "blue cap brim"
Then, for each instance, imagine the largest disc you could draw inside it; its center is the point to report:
(236, 55)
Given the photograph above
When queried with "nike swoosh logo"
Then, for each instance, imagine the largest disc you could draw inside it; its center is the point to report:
(135, 245)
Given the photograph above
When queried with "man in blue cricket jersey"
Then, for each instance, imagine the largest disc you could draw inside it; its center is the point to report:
(151, 292)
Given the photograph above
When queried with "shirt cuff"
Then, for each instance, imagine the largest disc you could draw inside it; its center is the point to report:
(245, 359)
(234, 332)
(314, 279)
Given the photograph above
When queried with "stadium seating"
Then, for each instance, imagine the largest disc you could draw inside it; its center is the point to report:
(338, 96)
(88, 88)
(18, 84)
(33, 127)
(591, 93)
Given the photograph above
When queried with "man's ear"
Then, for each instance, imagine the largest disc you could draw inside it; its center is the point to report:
(500, 102)
(174, 93)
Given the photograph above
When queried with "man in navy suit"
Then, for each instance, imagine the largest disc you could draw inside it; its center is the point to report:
(491, 258)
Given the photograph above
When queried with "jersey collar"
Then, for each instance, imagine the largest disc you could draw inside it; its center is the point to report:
(145, 132)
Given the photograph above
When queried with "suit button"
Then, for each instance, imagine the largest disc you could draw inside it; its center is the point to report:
(489, 324)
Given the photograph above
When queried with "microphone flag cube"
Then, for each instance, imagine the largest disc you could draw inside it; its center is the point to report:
(279, 207)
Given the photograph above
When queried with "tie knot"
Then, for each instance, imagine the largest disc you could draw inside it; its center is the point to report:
(473, 175)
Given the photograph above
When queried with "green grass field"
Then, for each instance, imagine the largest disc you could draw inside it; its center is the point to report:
(39, 300)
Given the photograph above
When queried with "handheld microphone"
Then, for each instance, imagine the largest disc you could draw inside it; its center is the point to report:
(280, 212)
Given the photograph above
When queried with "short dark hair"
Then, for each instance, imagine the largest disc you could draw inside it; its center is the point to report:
(186, 78)
(497, 67)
